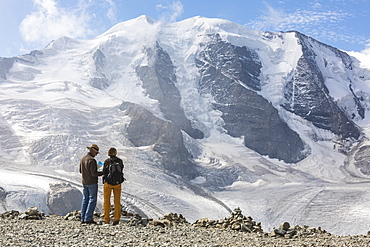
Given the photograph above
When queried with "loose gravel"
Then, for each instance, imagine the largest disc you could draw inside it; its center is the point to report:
(56, 231)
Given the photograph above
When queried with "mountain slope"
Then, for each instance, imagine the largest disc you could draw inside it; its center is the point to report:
(207, 115)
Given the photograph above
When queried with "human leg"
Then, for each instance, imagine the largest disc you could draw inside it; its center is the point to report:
(117, 202)
(93, 197)
(85, 202)
(107, 194)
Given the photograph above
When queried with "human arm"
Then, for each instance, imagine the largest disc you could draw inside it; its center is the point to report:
(93, 168)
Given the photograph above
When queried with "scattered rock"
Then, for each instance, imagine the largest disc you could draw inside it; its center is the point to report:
(126, 217)
(236, 222)
(55, 231)
(75, 215)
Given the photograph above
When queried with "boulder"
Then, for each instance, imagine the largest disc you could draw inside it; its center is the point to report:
(63, 198)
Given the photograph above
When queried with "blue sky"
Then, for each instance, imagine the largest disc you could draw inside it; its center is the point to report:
(31, 24)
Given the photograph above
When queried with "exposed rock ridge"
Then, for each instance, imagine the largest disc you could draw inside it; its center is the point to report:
(159, 79)
(5, 65)
(99, 79)
(308, 96)
(231, 74)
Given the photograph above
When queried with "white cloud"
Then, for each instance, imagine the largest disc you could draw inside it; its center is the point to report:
(172, 11)
(50, 20)
(363, 56)
(366, 51)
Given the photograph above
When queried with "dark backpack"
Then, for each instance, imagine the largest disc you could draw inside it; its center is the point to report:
(115, 173)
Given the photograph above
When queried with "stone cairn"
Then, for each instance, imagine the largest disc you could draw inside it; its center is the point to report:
(134, 219)
(237, 222)
(169, 220)
(31, 214)
(9, 215)
(286, 231)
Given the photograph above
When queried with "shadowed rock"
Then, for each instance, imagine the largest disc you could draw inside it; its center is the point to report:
(63, 198)
(145, 129)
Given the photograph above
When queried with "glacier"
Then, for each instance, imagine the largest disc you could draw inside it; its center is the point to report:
(57, 101)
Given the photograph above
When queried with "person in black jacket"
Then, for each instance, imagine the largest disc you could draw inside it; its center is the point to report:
(112, 178)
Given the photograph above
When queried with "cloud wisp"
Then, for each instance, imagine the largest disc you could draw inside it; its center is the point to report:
(278, 20)
(317, 21)
(171, 11)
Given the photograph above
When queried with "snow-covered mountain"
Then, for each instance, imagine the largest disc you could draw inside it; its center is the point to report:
(207, 115)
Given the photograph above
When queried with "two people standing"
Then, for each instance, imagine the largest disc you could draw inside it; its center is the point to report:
(90, 174)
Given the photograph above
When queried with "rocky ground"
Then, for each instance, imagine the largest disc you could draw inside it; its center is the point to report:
(171, 230)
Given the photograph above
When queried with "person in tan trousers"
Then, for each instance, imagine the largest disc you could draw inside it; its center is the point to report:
(114, 186)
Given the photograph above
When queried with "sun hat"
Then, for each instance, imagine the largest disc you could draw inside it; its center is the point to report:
(94, 147)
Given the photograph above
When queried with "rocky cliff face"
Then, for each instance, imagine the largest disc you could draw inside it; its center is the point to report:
(231, 75)
(5, 65)
(309, 98)
(159, 81)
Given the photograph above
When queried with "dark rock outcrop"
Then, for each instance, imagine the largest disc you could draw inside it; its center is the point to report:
(308, 96)
(5, 65)
(3, 194)
(159, 79)
(99, 80)
(145, 129)
(362, 160)
(231, 75)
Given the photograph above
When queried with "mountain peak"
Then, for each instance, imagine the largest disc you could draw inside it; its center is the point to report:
(147, 18)
(133, 25)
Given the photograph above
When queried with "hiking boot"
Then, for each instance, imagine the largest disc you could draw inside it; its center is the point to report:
(115, 223)
(91, 222)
